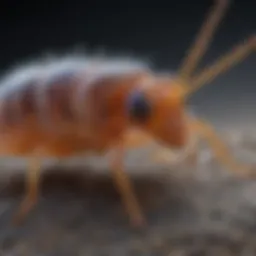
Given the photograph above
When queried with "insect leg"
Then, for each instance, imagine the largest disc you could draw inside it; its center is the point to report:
(31, 197)
(220, 150)
(188, 154)
(125, 188)
(135, 139)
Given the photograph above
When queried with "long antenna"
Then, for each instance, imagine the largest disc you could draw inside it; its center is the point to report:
(238, 53)
(203, 39)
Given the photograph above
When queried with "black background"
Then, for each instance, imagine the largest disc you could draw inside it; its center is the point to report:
(160, 31)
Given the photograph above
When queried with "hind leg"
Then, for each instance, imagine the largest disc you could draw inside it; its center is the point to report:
(220, 150)
(31, 196)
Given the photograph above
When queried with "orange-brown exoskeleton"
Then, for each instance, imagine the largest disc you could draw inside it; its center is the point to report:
(70, 106)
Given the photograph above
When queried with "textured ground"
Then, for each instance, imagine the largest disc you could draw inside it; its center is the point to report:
(202, 211)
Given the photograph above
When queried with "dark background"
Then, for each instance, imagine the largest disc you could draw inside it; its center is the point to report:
(160, 31)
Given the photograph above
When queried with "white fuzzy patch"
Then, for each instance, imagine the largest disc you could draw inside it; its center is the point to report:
(16, 78)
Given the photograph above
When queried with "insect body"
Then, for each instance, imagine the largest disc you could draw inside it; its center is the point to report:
(66, 112)
(66, 107)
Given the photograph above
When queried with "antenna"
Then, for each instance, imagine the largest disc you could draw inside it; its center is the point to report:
(203, 39)
(238, 53)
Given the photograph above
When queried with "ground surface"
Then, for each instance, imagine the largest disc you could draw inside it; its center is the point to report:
(190, 211)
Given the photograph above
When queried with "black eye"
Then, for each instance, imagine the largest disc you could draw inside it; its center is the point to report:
(138, 106)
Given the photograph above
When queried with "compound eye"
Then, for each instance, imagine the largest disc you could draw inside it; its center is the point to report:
(139, 107)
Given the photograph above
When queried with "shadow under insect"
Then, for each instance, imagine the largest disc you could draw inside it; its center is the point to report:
(98, 198)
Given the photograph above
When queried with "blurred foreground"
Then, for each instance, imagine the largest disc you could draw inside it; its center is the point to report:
(203, 211)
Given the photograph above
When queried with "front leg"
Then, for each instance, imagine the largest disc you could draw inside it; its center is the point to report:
(220, 150)
(126, 189)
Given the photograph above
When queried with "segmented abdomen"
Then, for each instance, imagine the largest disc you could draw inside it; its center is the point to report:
(46, 99)
(54, 92)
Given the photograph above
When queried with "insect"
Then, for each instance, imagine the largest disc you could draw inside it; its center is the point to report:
(65, 107)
